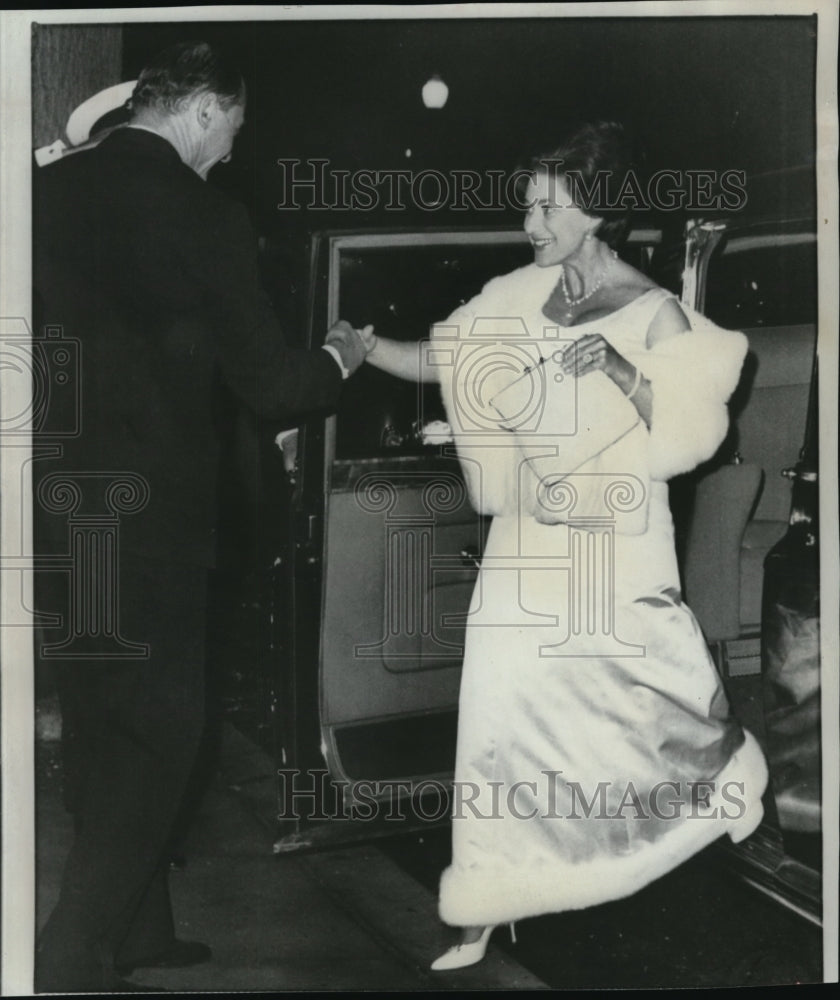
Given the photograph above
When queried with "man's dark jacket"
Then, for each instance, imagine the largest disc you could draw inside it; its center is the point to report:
(155, 272)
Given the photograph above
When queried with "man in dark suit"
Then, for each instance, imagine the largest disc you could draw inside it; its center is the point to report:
(155, 272)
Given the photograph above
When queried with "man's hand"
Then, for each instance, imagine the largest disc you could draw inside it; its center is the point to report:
(287, 442)
(349, 344)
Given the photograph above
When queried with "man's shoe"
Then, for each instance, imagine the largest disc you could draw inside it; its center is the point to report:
(179, 955)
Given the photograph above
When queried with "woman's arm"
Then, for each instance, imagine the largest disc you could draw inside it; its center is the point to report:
(594, 352)
(403, 358)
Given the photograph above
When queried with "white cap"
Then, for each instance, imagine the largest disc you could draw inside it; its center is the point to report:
(88, 113)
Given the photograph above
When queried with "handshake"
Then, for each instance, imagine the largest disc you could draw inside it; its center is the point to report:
(352, 345)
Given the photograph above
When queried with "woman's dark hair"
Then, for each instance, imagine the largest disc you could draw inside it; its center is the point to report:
(183, 70)
(595, 162)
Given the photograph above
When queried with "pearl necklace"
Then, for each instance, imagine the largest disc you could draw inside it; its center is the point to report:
(586, 295)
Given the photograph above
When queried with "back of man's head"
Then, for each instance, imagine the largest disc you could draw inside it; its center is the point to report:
(179, 73)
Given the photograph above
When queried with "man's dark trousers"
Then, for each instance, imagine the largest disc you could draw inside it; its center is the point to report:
(132, 729)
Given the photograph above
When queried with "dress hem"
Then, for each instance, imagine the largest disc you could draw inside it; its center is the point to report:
(479, 896)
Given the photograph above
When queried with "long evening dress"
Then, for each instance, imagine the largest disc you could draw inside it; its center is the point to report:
(596, 748)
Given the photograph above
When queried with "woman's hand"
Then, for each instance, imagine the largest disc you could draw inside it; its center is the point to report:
(594, 353)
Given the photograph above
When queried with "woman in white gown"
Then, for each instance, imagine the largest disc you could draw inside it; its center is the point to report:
(596, 749)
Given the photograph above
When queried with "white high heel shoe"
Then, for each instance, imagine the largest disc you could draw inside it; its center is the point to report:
(462, 955)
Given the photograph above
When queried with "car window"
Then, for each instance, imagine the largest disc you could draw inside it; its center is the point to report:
(763, 280)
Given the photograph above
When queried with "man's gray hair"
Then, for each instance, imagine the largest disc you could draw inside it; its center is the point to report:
(178, 73)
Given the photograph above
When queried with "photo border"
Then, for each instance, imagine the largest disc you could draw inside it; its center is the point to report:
(16, 644)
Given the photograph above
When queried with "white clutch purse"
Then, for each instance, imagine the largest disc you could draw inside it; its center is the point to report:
(584, 446)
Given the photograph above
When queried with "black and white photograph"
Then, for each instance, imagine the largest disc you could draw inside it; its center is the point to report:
(415, 423)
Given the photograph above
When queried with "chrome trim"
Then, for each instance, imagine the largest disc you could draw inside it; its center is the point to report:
(738, 244)
(701, 238)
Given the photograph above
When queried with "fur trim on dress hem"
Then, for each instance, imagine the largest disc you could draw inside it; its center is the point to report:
(481, 897)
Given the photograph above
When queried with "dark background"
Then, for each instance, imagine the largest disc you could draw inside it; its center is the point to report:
(712, 93)
(727, 93)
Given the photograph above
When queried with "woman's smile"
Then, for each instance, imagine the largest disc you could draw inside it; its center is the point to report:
(555, 226)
